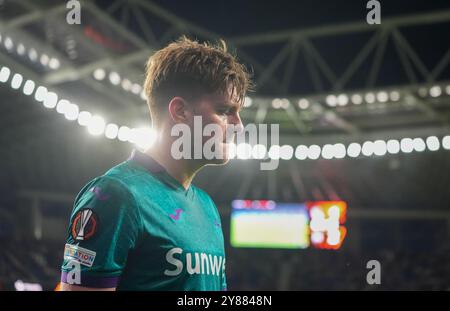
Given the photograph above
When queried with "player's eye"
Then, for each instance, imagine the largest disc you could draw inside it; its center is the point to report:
(224, 111)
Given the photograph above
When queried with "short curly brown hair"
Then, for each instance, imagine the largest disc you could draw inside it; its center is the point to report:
(189, 69)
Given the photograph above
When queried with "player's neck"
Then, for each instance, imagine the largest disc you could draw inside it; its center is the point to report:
(181, 170)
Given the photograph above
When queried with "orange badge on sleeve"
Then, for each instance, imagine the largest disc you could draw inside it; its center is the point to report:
(84, 225)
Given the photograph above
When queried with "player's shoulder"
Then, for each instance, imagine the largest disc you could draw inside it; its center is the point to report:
(202, 194)
(112, 183)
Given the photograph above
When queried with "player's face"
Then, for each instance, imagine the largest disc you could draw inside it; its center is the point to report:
(223, 111)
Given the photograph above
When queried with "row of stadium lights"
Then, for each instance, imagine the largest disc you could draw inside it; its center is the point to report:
(20, 49)
(95, 124)
(341, 100)
(115, 79)
(145, 137)
(339, 151)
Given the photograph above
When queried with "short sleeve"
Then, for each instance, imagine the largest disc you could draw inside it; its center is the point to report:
(104, 227)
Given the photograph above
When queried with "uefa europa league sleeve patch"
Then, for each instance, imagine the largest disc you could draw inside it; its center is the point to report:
(84, 225)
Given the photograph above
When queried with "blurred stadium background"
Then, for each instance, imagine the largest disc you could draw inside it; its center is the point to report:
(364, 114)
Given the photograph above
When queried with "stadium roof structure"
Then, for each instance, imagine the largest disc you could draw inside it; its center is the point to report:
(345, 82)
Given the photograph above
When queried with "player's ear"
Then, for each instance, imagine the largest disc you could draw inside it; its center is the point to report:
(178, 109)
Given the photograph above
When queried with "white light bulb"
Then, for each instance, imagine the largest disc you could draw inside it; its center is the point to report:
(432, 143)
(301, 152)
(96, 125)
(5, 72)
(50, 100)
(84, 118)
(353, 150)
(16, 81)
(28, 87)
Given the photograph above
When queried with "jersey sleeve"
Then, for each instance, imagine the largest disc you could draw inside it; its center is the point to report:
(104, 228)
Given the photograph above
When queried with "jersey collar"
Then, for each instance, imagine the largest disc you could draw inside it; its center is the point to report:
(158, 170)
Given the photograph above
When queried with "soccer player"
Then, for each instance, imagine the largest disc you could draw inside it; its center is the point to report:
(142, 225)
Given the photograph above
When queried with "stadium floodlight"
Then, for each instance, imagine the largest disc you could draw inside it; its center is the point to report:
(339, 151)
(419, 144)
(33, 55)
(99, 74)
(124, 133)
(379, 147)
(446, 142)
(331, 100)
(435, 91)
(301, 152)
(96, 125)
(433, 143)
(314, 152)
(286, 152)
(111, 130)
(259, 152)
(40, 94)
(357, 99)
(327, 151)
(54, 63)
(72, 111)
(84, 118)
(382, 97)
(342, 100)
(136, 88)
(422, 92)
(16, 81)
(247, 101)
(9, 44)
(274, 152)
(44, 59)
(393, 146)
(354, 150)
(62, 106)
(21, 49)
(244, 151)
(114, 78)
(406, 145)
(303, 103)
(5, 72)
(28, 87)
(370, 98)
(50, 100)
(276, 103)
(368, 148)
(126, 84)
(394, 96)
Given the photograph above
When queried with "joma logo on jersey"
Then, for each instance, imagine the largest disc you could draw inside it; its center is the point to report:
(204, 263)
(84, 225)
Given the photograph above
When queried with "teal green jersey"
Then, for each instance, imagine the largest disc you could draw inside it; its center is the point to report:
(137, 228)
